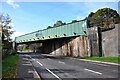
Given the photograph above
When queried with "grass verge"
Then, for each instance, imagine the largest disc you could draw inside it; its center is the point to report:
(9, 66)
(104, 59)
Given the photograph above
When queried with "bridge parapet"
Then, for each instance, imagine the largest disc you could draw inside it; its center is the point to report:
(68, 30)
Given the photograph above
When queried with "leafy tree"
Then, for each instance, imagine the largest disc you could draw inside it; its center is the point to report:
(73, 21)
(58, 23)
(91, 14)
(104, 18)
(49, 27)
(6, 33)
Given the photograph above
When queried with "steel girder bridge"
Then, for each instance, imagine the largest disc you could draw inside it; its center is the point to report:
(69, 30)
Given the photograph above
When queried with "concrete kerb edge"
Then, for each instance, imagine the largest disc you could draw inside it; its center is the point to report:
(90, 60)
(97, 61)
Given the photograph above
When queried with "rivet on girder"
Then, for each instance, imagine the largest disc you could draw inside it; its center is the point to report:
(64, 34)
(55, 35)
(84, 32)
(74, 33)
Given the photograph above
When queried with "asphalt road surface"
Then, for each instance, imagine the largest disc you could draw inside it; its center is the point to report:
(60, 68)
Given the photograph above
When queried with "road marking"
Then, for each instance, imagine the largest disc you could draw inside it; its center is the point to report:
(61, 62)
(27, 64)
(33, 59)
(93, 71)
(25, 59)
(30, 71)
(39, 63)
(53, 74)
(100, 64)
(48, 58)
(35, 74)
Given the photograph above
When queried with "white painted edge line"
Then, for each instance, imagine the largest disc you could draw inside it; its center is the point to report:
(48, 58)
(39, 63)
(25, 59)
(100, 64)
(61, 62)
(93, 71)
(53, 74)
(33, 59)
(27, 64)
(36, 74)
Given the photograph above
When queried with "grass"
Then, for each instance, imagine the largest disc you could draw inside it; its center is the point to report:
(104, 59)
(9, 66)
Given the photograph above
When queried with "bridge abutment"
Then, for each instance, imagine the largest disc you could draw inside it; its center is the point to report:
(75, 47)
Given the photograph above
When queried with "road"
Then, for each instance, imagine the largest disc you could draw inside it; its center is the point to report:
(60, 68)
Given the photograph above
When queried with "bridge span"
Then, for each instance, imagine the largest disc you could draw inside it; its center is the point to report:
(68, 30)
(66, 40)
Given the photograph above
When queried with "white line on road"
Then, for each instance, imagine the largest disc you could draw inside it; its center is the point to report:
(39, 63)
(27, 64)
(33, 59)
(100, 64)
(48, 58)
(25, 59)
(53, 74)
(36, 74)
(61, 62)
(93, 71)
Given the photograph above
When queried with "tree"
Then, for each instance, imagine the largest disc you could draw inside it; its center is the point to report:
(73, 21)
(91, 14)
(104, 18)
(58, 23)
(49, 27)
(6, 33)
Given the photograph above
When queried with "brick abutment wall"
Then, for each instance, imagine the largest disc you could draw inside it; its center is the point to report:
(75, 47)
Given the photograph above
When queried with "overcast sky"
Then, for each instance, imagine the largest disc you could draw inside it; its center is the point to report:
(31, 16)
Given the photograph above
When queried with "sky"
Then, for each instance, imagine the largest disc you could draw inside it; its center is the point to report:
(32, 16)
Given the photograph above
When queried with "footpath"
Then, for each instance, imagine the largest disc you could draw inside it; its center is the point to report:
(25, 69)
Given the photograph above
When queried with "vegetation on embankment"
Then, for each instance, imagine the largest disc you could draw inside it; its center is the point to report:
(9, 66)
(104, 59)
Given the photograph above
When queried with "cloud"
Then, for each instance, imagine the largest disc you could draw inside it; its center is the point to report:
(15, 34)
(12, 3)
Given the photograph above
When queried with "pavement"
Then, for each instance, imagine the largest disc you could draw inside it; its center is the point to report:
(44, 67)
(25, 69)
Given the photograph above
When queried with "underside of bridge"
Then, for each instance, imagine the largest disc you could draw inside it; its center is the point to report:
(69, 46)
(74, 46)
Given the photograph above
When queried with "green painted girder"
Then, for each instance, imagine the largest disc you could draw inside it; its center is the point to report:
(68, 30)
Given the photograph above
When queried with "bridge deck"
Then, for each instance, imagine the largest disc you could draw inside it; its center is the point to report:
(68, 30)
